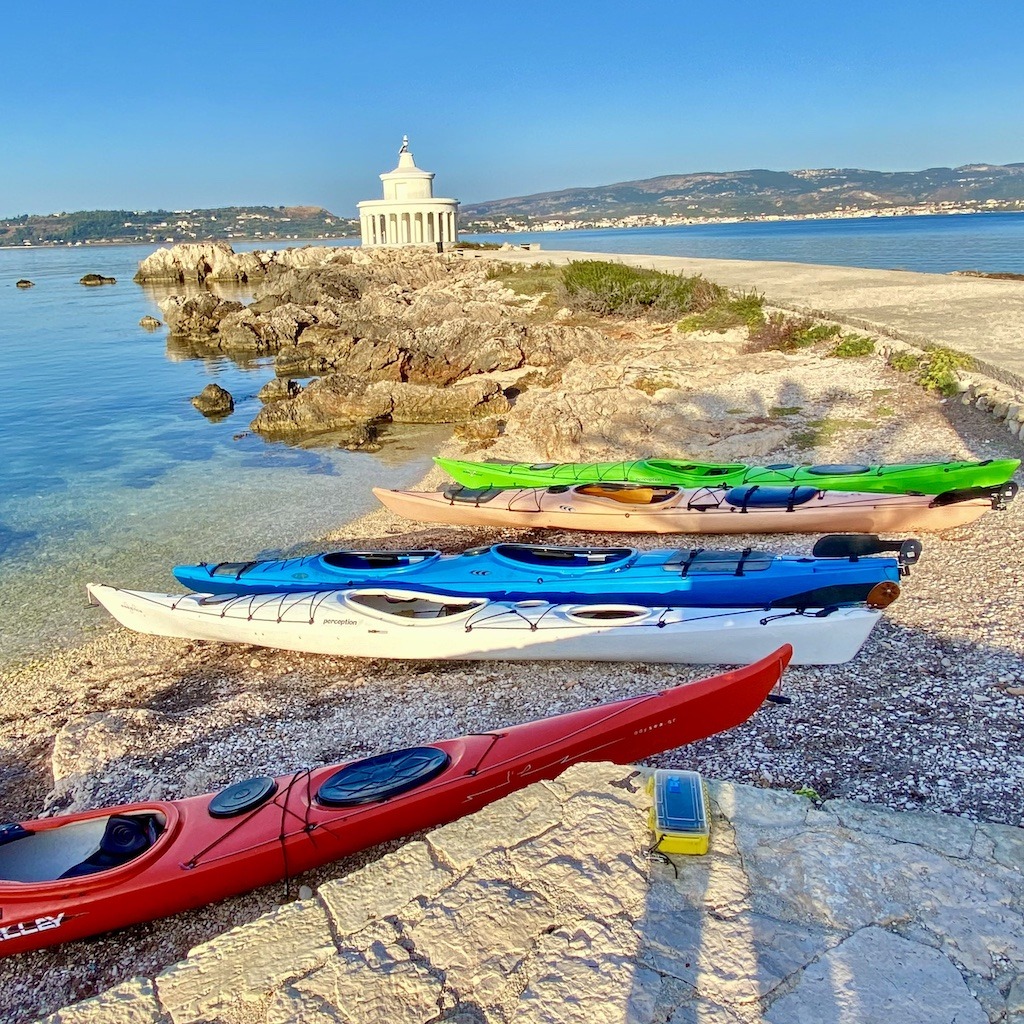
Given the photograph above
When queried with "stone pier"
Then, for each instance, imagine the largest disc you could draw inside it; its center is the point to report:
(549, 907)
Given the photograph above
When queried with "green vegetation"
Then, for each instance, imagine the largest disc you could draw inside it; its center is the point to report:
(939, 369)
(819, 432)
(936, 368)
(526, 278)
(904, 361)
(853, 345)
(778, 411)
(742, 309)
(614, 289)
(810, 792)
(781, 333)
(650, 385)
(477, 245)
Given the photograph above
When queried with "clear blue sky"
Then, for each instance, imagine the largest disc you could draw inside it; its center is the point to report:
(142, 105)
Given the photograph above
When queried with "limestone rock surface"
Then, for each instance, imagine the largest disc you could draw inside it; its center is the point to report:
(546, 906)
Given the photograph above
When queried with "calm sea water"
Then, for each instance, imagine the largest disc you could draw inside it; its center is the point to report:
(107, 472)
(991, 242)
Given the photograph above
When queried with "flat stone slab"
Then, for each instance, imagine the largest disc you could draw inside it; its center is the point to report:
(548, 907)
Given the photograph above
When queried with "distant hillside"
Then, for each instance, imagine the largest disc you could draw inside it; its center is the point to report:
(760, 193)
(241, 222)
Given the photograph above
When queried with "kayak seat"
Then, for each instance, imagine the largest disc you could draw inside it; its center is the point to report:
(124, 838)
(242, 796)
(838, 469)
(381, 777)
(729, 563)
(471, 495)
(745, 498)
(78, 848)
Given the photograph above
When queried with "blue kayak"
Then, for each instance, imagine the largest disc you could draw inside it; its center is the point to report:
(841, 571)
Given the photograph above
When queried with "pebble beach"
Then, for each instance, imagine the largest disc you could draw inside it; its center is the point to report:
(928, 716)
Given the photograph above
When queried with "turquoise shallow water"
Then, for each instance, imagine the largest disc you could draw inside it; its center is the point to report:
(990, 242)
(108, 473)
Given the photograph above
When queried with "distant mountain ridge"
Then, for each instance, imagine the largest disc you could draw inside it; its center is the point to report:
(227, 222)
(762, 192)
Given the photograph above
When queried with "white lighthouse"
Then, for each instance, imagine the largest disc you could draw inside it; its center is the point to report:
(409, 213)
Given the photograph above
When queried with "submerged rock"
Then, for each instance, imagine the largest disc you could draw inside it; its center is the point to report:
(96, 279)
(149, 322)
(213, 400)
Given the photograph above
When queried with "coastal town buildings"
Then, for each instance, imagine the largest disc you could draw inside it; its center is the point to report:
(409, 213)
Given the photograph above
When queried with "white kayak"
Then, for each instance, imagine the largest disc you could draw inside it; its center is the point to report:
(383, 622)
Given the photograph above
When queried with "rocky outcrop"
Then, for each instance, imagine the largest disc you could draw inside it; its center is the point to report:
(199, 262)
(24, 283)
(413, 337)
(214, 401)
(339, 402)
(149, 322)
(92, 280)
(197, 317)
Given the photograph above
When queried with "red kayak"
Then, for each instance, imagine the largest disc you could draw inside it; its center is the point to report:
(67, 877)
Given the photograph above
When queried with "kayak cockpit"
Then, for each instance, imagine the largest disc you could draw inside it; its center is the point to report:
(689, 470)
(384, 561)
(536, 556)
(627, 494)
(839, 469)
(413, 608)
(83, 847)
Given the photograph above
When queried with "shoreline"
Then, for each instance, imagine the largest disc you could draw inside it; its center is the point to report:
(128, 716)
(884, 214)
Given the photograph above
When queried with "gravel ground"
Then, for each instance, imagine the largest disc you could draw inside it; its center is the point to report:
(928, 716)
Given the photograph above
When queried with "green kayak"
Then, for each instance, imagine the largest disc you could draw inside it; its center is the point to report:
(898, 478)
